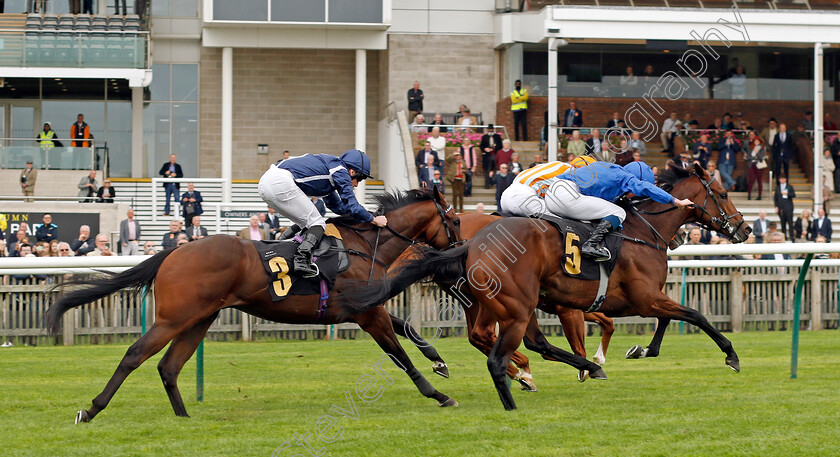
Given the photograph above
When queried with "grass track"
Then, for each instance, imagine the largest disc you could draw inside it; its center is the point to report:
(685, 403)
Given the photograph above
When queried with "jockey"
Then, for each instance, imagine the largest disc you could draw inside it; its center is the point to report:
(525, 195)
(588, 193)
(288, 185)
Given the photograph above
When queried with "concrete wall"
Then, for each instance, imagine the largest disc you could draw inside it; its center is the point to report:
(452, 69)
(295, 99)
(51, 183)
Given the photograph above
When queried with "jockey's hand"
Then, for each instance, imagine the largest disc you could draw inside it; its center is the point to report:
(683, 202)
(379, 221)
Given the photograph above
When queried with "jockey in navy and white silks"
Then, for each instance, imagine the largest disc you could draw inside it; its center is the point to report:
(288, 185)
(588, 193)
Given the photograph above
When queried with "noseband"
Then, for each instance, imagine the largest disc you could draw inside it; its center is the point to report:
(725, 220)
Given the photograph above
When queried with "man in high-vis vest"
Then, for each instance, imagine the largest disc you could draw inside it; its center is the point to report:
(519, 106)
(46, 139)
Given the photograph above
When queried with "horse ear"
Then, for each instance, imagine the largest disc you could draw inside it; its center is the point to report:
(699, 170)
(436, 193)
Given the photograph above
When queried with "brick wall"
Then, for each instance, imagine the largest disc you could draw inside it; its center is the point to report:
(302, 100)
(598, 111)
(451, 69)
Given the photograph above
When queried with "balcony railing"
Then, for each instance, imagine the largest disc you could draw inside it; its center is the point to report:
(70, 49)
(15, 152)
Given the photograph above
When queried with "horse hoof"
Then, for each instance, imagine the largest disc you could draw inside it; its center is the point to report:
(599, 360)
(448, 402)
(635, 352)
(441, 369)
(527, 385)
(82, 416)
(735, 364)
(583, 375)
(599, 374)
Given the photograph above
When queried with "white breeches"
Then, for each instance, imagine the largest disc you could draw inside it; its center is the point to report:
(278, 189)
(521, 200)
(563, 198)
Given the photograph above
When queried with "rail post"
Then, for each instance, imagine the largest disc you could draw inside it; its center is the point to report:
(797, 307)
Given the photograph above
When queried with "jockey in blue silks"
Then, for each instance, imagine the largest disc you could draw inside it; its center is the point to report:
(588, 193)
(288, 185)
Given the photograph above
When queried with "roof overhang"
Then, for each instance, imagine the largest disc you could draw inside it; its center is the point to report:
(137, 77)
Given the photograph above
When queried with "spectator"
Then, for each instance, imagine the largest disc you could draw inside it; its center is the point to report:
(28, 176)
(573, 117)
(703, 150)
(479, 208)
(712, 168)
(106, 193)
(738, 81)
(415, 101)
(42, 249)
(615, 121)
(835, 155)
(668, 129)
(149, 246)
(716, 125)
(263, 223)
(827, 122)
(688, 120)
(3, 251)
(727, 159)
(286, 154)
(754, 154)
(467, 120)
(628, 79)
(438, 122)
(54, 248)
(782, 152)
(768, 134)
(20, 240)
(46, 139)
(88, 186)
(685, 160)
(637, 143)
(83, 244)
(637, 156)
(515, 166)
(437, 181)
(502, 180)
(426, 172)
(504, 154)
(48, 231)
(102, 246)
(191, 203)
(491, 143)
(424, 154)
(679, 142)
(470, 157)
(455, 172)
(519, 107)
(170, 239)
(783, 199)
(171, 169)
(418, 125)
(80, 131)
(273, 221)
(761, 226)
(726, 124)
(13, 233)
(129, 235)
(253, 230)
(575, 145)
(821, 225)
(538, 159)
(594, 145)
(438, 142)
(64, 250)
(182, 240)
(647, 76)
(117, 7)
(802, 226)
(828, 169)
(808, 121)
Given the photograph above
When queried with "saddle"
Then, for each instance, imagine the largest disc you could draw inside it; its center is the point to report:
(573, 234)
(277, 258)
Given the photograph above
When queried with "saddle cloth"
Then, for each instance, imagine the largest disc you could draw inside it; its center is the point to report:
(277, 258)
(574, 233)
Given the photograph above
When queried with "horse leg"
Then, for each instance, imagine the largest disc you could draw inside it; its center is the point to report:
(537, 342)
(510, 336)
(377, 323)
(429, 351)
(607, 330)
(182, 348)
(148, 345)
(574, 328)
(666, 308)
(637, 352)
(482, 335)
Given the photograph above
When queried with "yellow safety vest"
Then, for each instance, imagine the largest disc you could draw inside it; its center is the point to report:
(518, 100)
(46, 139)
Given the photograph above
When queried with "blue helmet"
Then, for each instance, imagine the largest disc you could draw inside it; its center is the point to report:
(641, 171)
(355, 159)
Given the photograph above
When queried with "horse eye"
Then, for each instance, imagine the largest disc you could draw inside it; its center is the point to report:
(723, 196)
(457, 222)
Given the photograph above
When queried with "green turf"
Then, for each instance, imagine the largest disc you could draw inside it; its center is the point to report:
(686, 402)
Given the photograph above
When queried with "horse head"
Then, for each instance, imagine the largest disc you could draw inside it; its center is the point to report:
(422, 215)
(712, 206)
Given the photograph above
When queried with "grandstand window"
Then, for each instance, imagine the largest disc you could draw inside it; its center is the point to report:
(170, 118)
(175, 8)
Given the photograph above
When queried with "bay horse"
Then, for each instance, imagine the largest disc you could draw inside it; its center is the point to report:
(572, 320)
(224, 272)
(508, 291)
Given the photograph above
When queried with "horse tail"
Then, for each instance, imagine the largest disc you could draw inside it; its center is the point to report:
(440, 264)
(142, 275)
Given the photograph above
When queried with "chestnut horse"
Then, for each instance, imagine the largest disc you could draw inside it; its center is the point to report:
(508, 293)
(224, 272)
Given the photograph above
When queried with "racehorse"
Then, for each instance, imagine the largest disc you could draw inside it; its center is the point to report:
(508, 292)
(572, 320)
(225, 272)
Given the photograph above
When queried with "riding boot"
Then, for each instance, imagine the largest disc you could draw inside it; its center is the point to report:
(303, 256)
(594, 245)
(289, 233)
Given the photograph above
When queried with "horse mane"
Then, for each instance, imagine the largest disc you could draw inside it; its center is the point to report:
(671, 175)
(391, 201)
